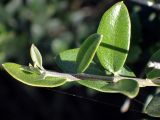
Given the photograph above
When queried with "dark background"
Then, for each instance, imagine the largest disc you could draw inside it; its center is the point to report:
(54, 26)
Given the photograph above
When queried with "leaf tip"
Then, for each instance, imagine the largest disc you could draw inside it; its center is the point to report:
(100, 36)
(4, 65)
(36, 56)
(32, 45)
(32, 48)
(121, 2)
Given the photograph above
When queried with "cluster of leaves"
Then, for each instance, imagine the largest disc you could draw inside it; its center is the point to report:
(101, 54)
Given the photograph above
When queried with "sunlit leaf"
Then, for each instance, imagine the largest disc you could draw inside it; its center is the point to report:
(87, 52)
(32, 79)
(31, 69)
(36, 56)
(115, 28)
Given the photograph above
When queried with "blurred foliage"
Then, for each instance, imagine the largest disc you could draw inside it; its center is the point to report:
(53, 25)
(57, 25)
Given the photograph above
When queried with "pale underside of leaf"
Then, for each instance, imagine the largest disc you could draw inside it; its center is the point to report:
(32, 79)
(36, 56)
(127, 87)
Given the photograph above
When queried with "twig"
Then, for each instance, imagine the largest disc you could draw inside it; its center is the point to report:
(112, 79)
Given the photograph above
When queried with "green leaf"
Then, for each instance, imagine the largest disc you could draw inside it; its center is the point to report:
(153, 108)
(153, 67)
(67, 62)
(127, 87)
(32, 79)
(153, 74)
(126, 71)
(87, 51)
(36, 56)
(115, 28)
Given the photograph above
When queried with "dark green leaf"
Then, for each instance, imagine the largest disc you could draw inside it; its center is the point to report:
(153, 74)
(153, 108)
(127, 87)
(134, 54)
(115, 28)
(67, 62)
(87, 52)
(32, 79)
(153, 67)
